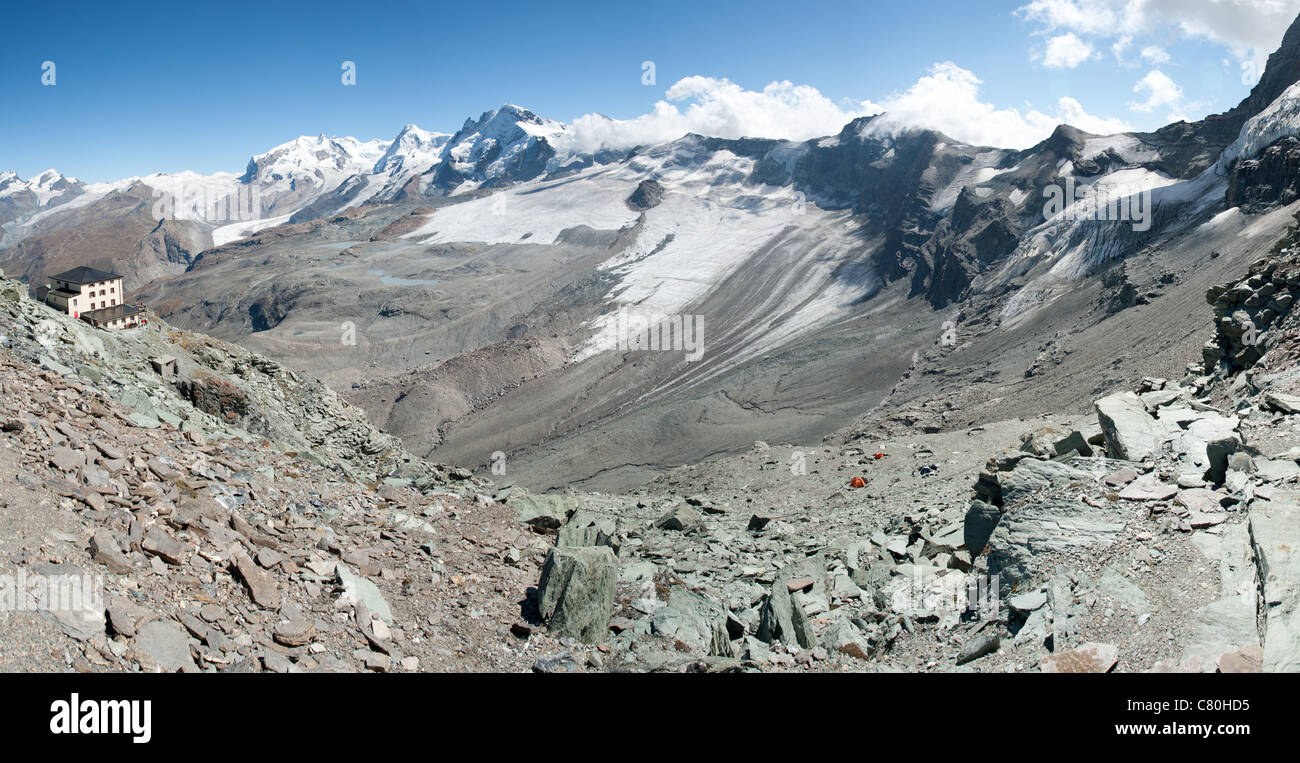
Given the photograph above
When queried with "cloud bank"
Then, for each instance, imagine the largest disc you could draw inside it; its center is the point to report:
(945, 99)
(722, 109)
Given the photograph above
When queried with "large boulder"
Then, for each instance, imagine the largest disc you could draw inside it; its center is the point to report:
(782, 617)
(695, 620)
(1209, 440)
(576, 592)
(1041, 515)
(1050, 442)
(981, 518)
(544, 511)
(585, 528)
(1131, 433)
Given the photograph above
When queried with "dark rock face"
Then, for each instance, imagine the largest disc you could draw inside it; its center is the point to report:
(486, 140)
(1119, 292)
(977, 234)
(1270, 179)
(647, 195)
(1249, 313)
(221, 399)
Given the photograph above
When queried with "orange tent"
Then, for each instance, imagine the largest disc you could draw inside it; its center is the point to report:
(857, 482)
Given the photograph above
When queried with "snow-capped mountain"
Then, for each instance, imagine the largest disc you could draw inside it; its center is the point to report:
(296, 172)
(304, 178)
(505, 144)
(412, 151)
(19, 198)
(49, 186)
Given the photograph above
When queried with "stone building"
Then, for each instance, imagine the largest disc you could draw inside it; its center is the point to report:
(93, 296)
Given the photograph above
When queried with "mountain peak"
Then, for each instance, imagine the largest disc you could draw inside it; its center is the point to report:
(411, 148)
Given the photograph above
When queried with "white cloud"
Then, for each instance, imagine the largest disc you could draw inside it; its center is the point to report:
(1160, 91)
(1155, 54)
(1072, 113)
(1120, 46)
(947, 99)
(1066, 51)
(720, 108)
(1250, 29)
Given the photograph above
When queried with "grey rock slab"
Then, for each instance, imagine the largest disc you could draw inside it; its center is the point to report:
(105, 550)
(1035, 628)
(160, 543)
(1282, 402)
(546, 512)
(67, 459)
(1276, 470)
(362, 591)
(844, 637)
(50, 364)
(1115, 586)
(1131, 433)
(262, 587)
(1121, 477)
(1088, 658)
(981, 519)
(587, 529)
(981, 645)
(163, 646)
(1275, 537)
(782, 617)
(576, 592)
(1031, 477)
(696, 620)
(1200, 520)
(1200, 499)
(124, 616)
(1053, 525)
(681, 518)
(1160, 398)
(1028, 602)
(1148, 488)
(1229, 623)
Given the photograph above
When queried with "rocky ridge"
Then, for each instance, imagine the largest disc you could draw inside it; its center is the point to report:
(232, 517)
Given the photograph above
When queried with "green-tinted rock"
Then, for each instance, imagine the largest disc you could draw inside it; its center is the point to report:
(576, 592)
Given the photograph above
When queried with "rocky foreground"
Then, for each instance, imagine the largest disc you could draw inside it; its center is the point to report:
(245, 519)
(240, 519)
(1157, 535)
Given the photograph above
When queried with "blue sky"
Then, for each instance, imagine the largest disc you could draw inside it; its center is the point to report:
(146, 87)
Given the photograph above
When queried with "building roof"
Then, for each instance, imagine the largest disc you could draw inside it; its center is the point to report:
(106, 314)
(65, 293)
(84, 274)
